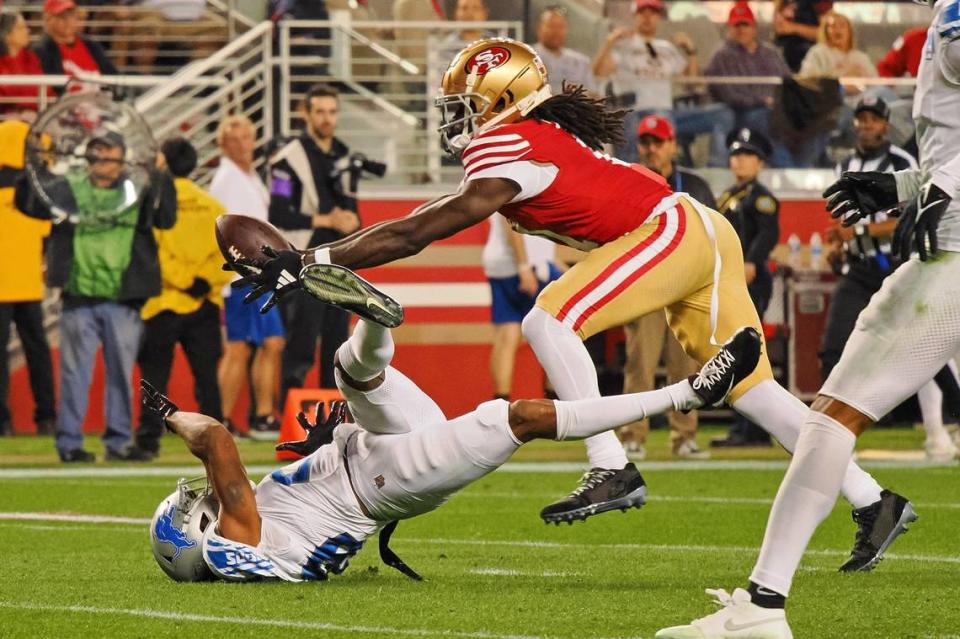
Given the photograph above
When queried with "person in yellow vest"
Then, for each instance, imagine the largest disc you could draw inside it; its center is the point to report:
(187, 310)
(21, 288)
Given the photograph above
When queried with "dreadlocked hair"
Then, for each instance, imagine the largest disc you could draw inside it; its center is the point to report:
(584, 116)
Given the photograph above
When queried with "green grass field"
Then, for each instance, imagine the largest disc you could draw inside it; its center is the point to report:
(492, 569)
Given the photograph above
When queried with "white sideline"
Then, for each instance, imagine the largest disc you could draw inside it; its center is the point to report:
(254, 621)
(512, 467)
(99, 519)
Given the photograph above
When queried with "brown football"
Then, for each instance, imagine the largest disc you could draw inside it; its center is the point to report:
(241, 236)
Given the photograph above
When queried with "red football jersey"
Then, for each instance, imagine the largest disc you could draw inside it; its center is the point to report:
(569, 193)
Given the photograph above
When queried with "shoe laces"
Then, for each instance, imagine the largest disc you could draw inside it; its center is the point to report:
(713, 371)
(591, 479)
(721, 597)
(865, 519)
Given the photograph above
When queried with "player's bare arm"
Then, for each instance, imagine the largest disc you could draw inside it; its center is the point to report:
(210, 442)
(383, 243)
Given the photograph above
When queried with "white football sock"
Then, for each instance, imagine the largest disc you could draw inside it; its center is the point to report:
(368, 351)
(930, 398)
(585, 417)
(806, 496)
(573, 375)
(782, 415)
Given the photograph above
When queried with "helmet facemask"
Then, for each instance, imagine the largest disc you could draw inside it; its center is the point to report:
(458, 120)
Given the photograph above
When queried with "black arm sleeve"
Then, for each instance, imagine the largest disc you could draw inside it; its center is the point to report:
(27, 201)
(286, 193)
(160, 201)
(768, 234)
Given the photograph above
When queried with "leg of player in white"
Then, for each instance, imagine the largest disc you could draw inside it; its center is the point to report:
(908, 332)
(399, 477)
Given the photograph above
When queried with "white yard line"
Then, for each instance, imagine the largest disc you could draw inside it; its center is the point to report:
(513, 467)
(507, 572)
(99, 519)
(948, 559)
(698, 499)
(254, 621)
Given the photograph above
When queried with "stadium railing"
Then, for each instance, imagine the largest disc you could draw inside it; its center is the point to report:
(120, 29)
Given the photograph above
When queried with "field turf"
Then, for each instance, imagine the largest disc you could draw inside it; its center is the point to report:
(492, 569)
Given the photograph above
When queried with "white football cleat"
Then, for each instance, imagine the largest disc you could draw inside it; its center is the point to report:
(738, 618)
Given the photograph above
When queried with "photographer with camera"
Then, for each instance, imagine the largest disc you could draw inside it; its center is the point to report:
(312, 202)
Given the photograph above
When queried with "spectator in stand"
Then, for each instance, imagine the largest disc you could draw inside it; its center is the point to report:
(308, 203)
(903, 58)
(105, 260)
(465, 11)
(795, 23)
(62, 50)
(152, 22)
(16, 58)
(640, 67)
(187, 310)
(742, 54)
(238, 187)
(563, 65)
(649, 337)
(411, 43)
(21, 287)
(835, 55)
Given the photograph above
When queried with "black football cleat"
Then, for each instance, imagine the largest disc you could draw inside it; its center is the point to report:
(879, 524)
(735, 361)
(342, 287)
(600, 490)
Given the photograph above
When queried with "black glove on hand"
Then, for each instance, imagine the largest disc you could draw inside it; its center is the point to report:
(157, 402)
(317, 434)
(919, 221)
(199, 289)
(278, 274)
(858, 194)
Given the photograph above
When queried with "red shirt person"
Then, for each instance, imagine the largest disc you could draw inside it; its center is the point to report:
(903, 58)
(62, 50)
(17, 59)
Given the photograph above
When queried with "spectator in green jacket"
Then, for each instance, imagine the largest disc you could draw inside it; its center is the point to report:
(104, 258)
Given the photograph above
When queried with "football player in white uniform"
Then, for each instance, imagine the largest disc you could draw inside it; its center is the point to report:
(909, 330)
(400, 459)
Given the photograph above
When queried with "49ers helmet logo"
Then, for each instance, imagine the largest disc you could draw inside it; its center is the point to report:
(487, 60)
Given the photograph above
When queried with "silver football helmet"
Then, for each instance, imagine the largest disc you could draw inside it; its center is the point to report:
(176, 531)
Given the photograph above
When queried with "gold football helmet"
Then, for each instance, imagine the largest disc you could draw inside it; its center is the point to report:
(491, 81)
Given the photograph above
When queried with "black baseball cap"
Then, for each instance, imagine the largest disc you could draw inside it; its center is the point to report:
(873, 104)
(749, 141)
(108, 138)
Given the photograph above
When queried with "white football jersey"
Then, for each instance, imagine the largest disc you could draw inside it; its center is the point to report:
(936, 108)
(311, 522)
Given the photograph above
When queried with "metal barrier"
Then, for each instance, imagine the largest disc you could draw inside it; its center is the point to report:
(388, 72)
(234, 80)
(145, 41)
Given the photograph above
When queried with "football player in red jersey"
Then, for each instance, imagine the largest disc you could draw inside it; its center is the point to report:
(538, 160)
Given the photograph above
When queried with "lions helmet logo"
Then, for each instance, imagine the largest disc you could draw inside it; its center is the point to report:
(487, 60)
(168, 533)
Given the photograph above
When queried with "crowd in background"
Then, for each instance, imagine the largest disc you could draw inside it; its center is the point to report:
(634, 66)
(163, 284)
